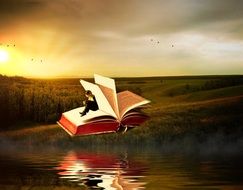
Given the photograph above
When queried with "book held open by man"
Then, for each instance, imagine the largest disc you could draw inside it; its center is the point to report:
(115, 110)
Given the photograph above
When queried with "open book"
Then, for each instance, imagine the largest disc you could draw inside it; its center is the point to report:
(115, 110)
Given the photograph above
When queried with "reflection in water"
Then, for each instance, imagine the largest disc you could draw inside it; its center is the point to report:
(114, 169)
(101, 171)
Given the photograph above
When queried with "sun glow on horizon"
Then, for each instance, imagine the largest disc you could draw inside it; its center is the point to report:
(4, 56)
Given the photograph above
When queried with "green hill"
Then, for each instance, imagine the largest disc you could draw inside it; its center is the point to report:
(182, 109)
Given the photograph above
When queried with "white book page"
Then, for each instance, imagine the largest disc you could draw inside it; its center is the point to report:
(75, 117)
(108, 87)
(102, 102)
(128, 100)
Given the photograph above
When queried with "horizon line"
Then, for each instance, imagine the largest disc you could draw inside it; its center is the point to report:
(151, 76)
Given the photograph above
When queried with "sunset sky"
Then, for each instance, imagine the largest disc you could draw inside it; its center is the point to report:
(75, 38)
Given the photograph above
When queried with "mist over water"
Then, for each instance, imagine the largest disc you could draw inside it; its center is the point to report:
(110, 167)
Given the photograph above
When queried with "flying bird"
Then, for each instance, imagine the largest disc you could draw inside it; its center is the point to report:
(154, 41)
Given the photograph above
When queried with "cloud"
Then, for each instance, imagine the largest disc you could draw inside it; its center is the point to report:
(158, 17)
(16, 6)
(129, 17)
(12, 11)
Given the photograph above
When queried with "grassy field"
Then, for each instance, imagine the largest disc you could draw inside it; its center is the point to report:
(183, 109)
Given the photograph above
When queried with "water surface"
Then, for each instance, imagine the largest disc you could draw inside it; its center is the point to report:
(122, 168)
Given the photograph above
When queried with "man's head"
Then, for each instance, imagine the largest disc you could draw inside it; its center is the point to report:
(88, 93)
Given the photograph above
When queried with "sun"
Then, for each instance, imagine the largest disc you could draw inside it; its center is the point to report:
(4, 56)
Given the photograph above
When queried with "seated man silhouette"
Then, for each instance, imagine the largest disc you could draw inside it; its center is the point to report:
(90, 103)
